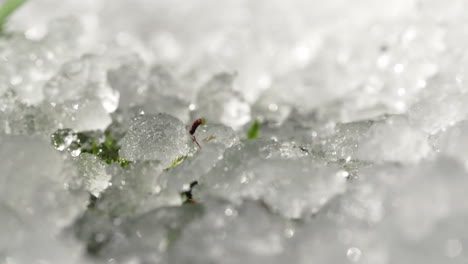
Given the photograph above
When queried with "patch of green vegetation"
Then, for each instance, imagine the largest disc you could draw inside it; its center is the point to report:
(102, 145)
(177, 160)
(7, 8)
(253, 130)
(108, 150)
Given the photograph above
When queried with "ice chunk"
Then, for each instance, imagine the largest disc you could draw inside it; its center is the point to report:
(295, 187)
(153, 93)
(85, 78)
(165, 95)
(27, 62)
(232, 234)
(129, 79)
(134, 189)
(18, 118)
(190, 169)
(162, 82)
(79, 115)
(218, 102)
(155, 137)
(149, 237)
(214, 139)
(376, 218)
(453, 142)
(329, 238)
(156, 103)
(394, 140)
(336, 142)
(22, 157)
(94, 174)
(439, 108)
(217, 134)
(384, 140)
(36, 193)
(46, 118)
(439, 182)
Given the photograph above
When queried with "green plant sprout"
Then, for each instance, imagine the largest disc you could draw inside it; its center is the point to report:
(177, 160)
(7, 8)
(252, 132)
(102, 145)
(108, 150)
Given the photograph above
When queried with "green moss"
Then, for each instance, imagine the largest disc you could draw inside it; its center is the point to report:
(102, 145)
(7, 8)
(123, 162)
(108, 150)
(253, 130)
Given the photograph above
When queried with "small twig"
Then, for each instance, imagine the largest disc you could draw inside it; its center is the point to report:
(194, 127)
(196, 142)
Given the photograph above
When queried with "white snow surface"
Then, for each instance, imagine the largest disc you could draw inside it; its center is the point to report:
(361, 154)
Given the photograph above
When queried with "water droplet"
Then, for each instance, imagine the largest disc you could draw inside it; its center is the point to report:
(243, 179)
(186, 187)
(289, 232)
(354, 254)
(273, 107)
(76, 152)
(229, 212)
(342, 173)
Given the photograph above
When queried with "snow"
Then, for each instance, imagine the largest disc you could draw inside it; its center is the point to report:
(361, 155)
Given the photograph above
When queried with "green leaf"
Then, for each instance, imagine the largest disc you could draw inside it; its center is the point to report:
(177, 160)
(7, 8)
(253, 130)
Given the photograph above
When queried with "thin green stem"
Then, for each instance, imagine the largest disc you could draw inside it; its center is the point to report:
(7, 8)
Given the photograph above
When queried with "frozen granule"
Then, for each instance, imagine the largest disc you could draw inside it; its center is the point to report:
(36, 194)
(129, 79)
(155, 103)
(134, 189)
(93, 173)
(293, 186)
(232, 234)
(214, 140)
(453, 142)
(79, 115)
(212, 133)
(155, 137)
(218, 102)
(149, 236)
(83, 78)
(439, 108)
(30, 164)
(393, 140)
(191, 168)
